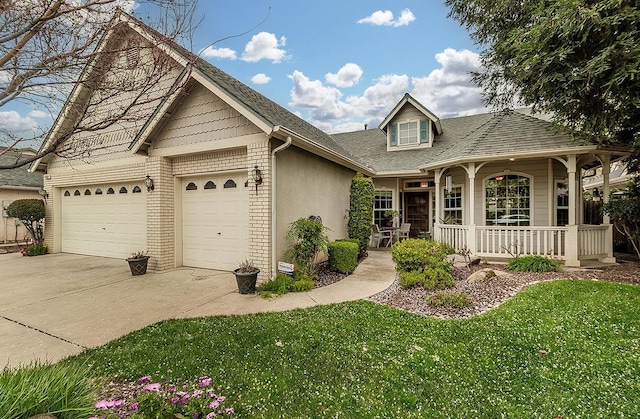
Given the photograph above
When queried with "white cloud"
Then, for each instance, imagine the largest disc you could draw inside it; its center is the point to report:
(385, 18)
(260, 78)
(38, 114)
(221, 53)
(449, 90)
(265, 46)
(347, 76)
(405, 18)
(14, 122)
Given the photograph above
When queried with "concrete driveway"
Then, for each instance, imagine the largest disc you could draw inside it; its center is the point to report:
(57, 305)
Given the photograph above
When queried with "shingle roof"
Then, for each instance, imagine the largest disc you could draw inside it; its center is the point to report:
(463, 138)
(20, 176)
(264, 108)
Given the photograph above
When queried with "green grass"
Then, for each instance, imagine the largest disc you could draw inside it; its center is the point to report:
(63, 390)
(365, 360)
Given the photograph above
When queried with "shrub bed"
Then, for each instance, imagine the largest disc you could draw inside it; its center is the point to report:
(417, 254)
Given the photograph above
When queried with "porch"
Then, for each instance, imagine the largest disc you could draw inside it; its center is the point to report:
(574, 244)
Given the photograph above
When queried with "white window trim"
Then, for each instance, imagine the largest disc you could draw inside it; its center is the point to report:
(394, 202)
(444, 200)
(531, 194)
(555, 199)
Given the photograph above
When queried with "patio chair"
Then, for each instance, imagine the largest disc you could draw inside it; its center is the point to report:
(378, 235)
(403, 231)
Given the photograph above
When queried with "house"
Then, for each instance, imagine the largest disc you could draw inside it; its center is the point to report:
(215, 172)
(16, 184)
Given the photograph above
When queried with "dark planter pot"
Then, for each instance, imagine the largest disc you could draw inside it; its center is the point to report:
(246, 281)
(138, 266)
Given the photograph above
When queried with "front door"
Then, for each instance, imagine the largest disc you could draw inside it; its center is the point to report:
(416, 206)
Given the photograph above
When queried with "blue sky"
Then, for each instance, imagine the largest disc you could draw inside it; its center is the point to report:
(337, 64)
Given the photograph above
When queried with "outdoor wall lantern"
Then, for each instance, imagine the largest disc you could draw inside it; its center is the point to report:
(148, 182)
(44, 194)
(256, 174)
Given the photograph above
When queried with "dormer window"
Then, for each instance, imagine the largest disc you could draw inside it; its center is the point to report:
(409, 134)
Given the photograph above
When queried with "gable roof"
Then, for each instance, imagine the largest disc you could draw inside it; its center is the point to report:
(488, 136)
(20, 177)
(266, 114)
(410, 100)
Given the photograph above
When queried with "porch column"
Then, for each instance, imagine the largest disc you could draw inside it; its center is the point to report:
(606, 220)
(571, 171)
(606, 168)
(572, 244)
(437, 174)
(471, 238)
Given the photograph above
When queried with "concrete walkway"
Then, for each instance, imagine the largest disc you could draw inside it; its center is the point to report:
(57, 305)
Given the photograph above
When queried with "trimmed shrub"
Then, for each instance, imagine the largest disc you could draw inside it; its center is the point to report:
(303, 285)
(448, 299)
(439, 277)
(361, 210)
(343, 256)
(30, 212)
(417, 254)
(534, 263)
(410, 279)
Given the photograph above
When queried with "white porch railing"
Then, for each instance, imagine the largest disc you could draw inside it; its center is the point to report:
(530, 240)
(592, 241)
(570, 243)
(452, 234)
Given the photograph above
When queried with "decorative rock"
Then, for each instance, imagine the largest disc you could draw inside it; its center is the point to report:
(484, 275)
(43, 416)
(459, 261)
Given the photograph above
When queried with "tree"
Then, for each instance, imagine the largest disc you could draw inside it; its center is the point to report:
(576, 59)
(48, 51)
(623, 210)
(30, 212)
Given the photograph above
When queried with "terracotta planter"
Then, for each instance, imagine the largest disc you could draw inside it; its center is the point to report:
(138, 266)
(246, 281)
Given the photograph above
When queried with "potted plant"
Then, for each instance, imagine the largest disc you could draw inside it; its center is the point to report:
(138, 262)
(390, 215)
(246, 277)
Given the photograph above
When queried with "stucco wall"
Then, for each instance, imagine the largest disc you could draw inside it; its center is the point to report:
(307, 185)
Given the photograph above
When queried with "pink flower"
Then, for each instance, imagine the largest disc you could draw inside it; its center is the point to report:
(211, 415)
(197, 393)
(144, 379)
(214, 405)
(104, 404)
(117, 403)
(174, 400)
(221, 399)
(185, 398)
(152, 387)
(204, 382)
(134, 406)
(171, 389)
(229, 411)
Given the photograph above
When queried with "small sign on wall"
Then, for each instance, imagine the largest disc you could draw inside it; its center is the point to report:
(285, 268)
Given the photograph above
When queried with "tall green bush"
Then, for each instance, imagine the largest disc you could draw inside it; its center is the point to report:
(309, 237)
(624, 211)
(30, 212)
(361, 210)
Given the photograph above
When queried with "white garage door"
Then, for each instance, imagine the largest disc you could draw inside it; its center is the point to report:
(104, 220)
(215, 221)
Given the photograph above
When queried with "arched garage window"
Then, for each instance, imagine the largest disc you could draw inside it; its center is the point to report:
(508, 200)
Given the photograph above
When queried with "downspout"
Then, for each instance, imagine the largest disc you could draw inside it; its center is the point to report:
(274, 261)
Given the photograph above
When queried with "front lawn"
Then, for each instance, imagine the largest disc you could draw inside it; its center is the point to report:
(565, 348)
